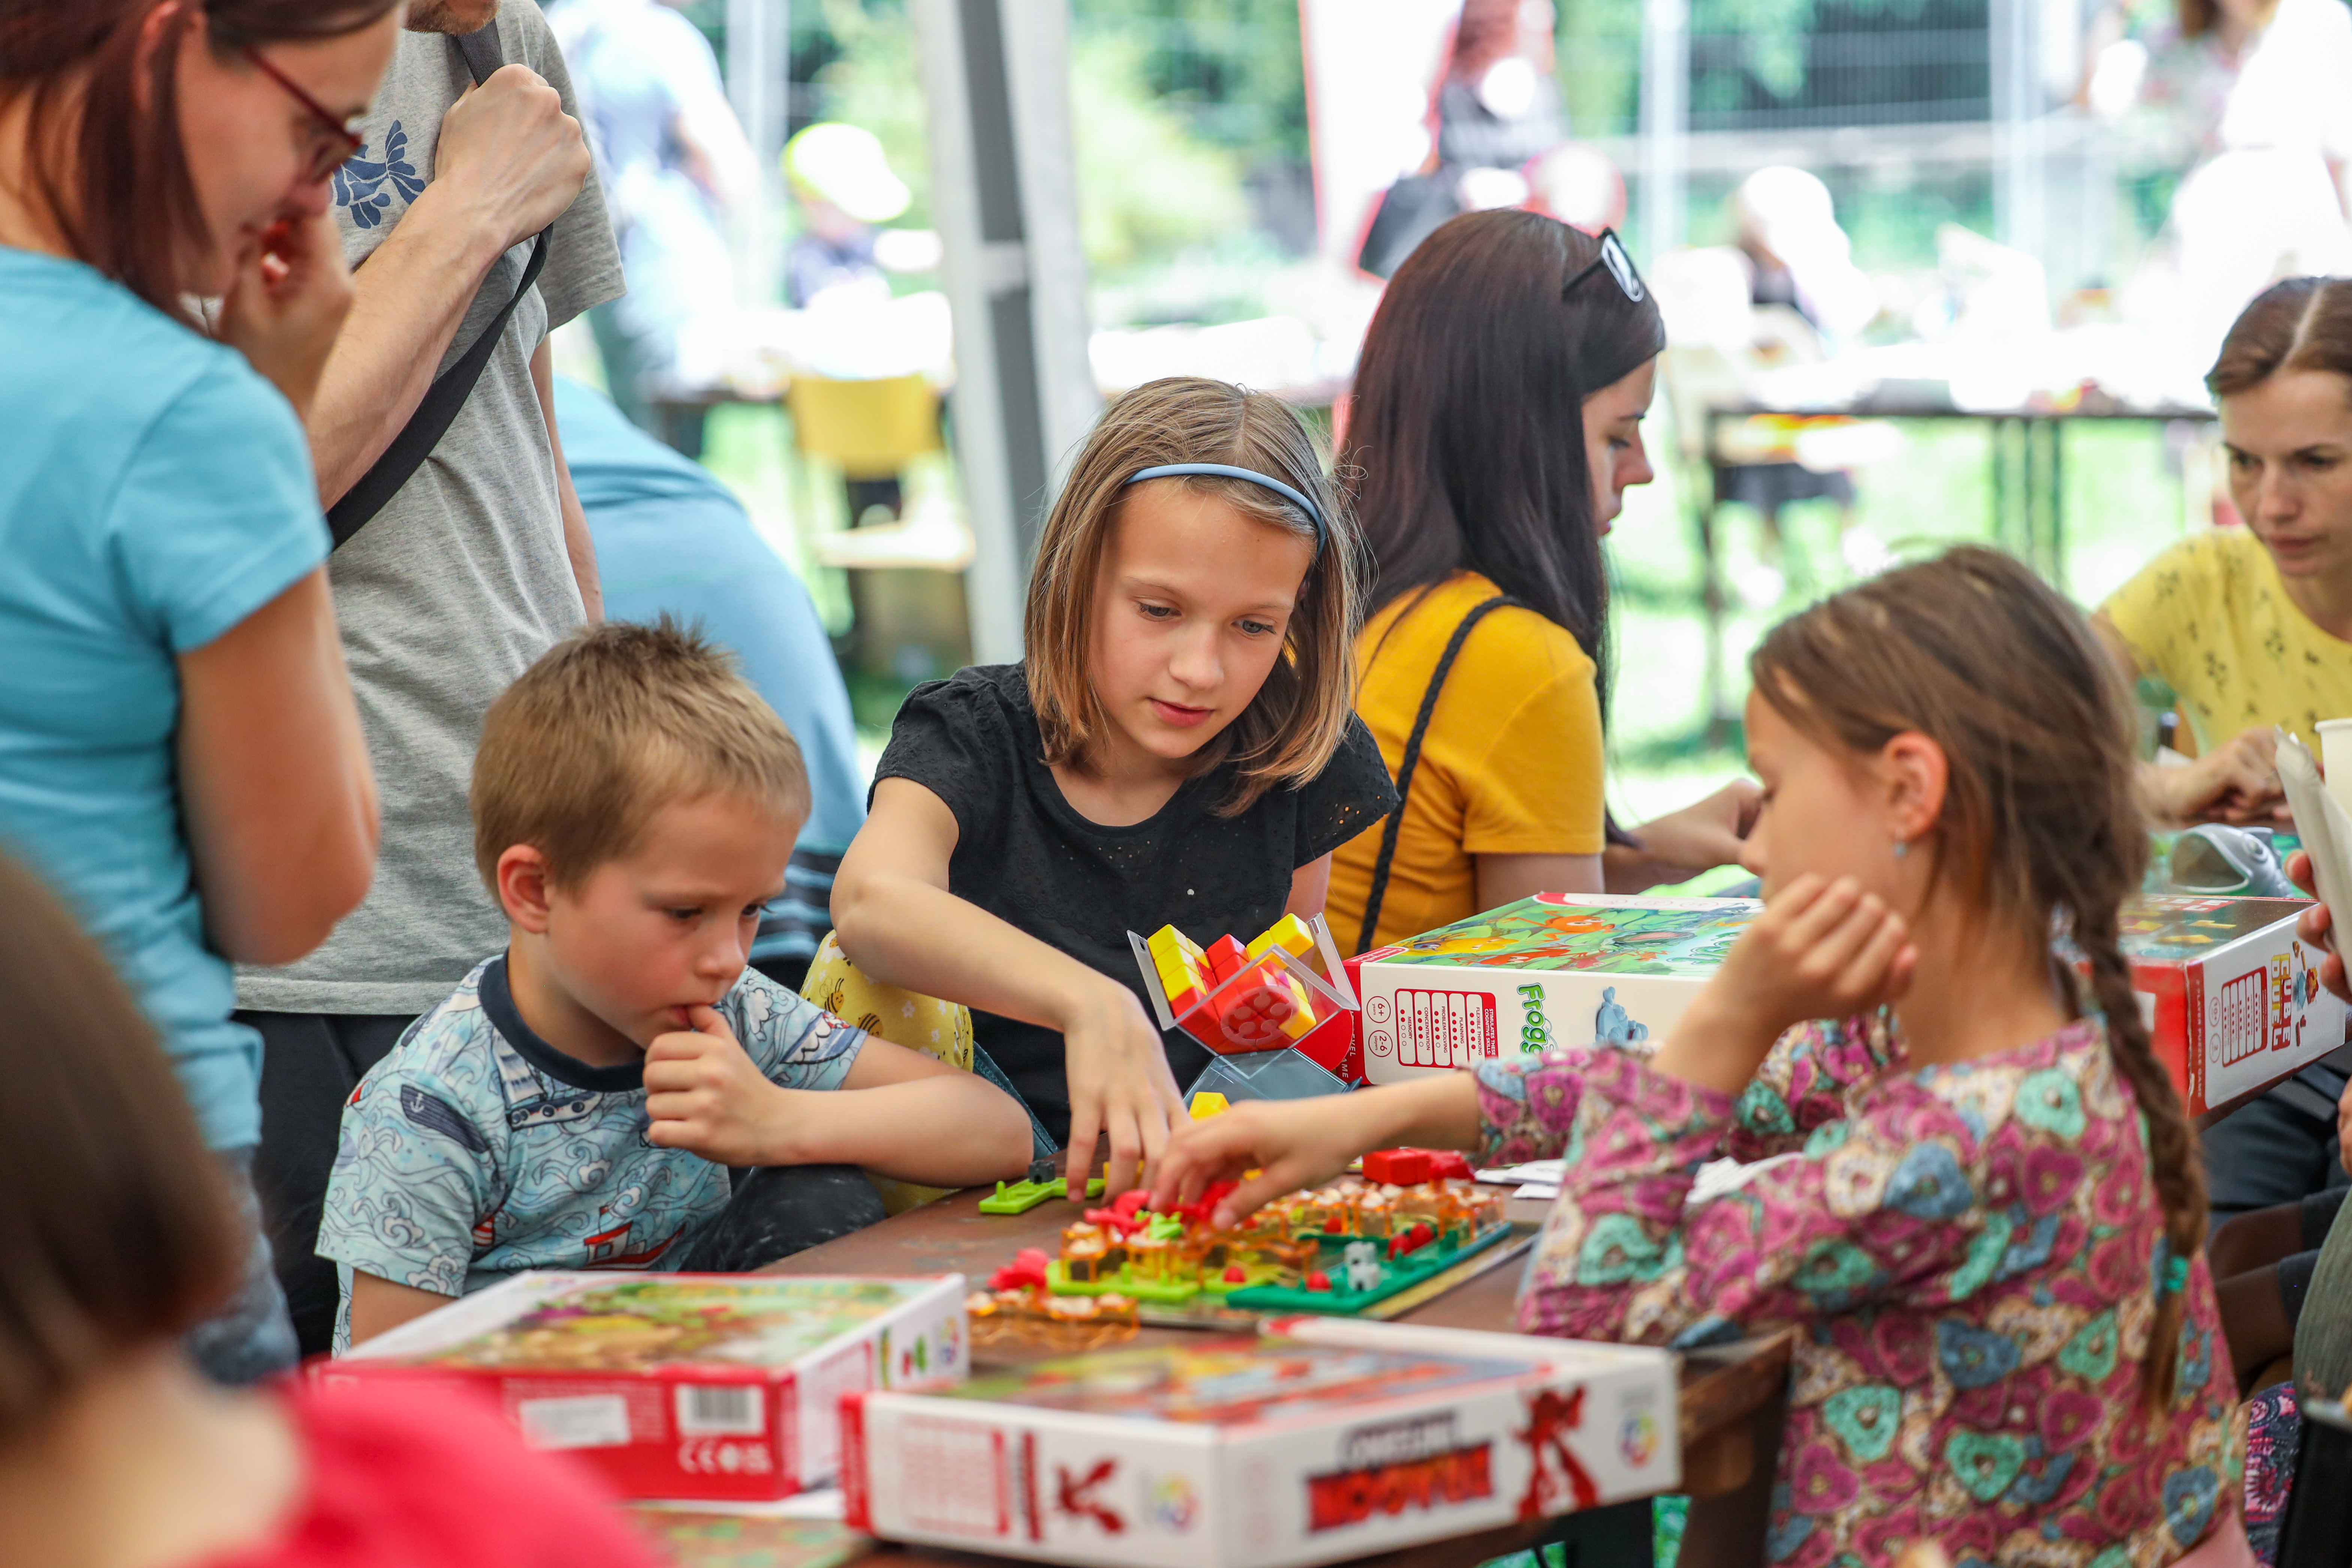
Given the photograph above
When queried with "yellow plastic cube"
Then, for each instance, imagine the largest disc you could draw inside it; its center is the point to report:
(1288, 934)
(1207, 1104)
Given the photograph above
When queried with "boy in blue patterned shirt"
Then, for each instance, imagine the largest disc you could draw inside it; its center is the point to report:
(577, 1103)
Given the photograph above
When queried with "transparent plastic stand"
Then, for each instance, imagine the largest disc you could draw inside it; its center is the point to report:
(1255, 1060)
(1286, 1074)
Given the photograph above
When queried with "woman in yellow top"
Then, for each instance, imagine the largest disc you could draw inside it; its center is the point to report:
(1496, 427)
(2252, 626)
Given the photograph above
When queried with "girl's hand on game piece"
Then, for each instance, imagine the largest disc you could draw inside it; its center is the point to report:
(2316, 927)
(704, 1094)
(1820, 950)
(1298, 1144)
(1290, 1143)
(1121, 1091)
(286, 303)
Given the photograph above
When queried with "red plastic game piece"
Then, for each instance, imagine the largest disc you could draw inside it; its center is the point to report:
(1318, 1280)
(1226, 957)
(1397, 1167)
(1449, 1166)
(1027, 1267)
(1253, 1013)
(1235, 1275)
(1413, 1240)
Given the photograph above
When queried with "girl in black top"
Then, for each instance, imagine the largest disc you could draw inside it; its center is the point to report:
(1179, 746)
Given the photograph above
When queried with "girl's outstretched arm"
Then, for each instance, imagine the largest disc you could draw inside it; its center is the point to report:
(896, 920)
(1300, 1143)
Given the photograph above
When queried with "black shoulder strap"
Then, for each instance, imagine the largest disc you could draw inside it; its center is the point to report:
(1412, 761)
(452, 387)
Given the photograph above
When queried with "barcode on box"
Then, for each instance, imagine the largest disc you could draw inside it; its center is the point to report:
(1445, 1028)
(585, 1421)
(734, 1409)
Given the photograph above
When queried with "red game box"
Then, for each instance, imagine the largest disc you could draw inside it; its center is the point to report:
(682, 1386)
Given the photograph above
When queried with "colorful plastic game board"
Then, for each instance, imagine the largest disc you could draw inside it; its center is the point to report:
(1338, 1249)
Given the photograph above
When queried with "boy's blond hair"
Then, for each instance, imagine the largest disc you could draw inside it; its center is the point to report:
(1288, 733)
(611, 725)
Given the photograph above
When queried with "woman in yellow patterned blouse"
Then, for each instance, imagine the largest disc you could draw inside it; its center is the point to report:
(2252, 626)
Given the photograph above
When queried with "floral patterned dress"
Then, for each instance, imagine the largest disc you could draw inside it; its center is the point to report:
(1971, 1250)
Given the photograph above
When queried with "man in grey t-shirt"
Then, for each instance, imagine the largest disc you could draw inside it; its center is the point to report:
(478, 563)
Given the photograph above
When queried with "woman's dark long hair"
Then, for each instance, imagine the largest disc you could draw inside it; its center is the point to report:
(111, 172)
(1465, 440)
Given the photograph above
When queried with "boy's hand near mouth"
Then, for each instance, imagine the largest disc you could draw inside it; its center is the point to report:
(705, 1095)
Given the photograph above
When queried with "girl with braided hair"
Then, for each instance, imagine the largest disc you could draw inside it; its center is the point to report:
(1969, 1180)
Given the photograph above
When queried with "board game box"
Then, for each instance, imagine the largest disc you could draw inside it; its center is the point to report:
(1555, 968)
(682, 1385)
(1322, 1440)
(2232, 994)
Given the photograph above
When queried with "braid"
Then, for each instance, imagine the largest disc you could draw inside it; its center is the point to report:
(2173, 1162)
(2039, 815)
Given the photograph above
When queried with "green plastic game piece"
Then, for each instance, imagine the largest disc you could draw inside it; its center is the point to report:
(1396, 1274)
(1159, 1292)
(1019, 1197)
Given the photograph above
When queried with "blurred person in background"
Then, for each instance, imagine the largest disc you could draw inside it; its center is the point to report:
(1496, 115)
(476, 561)
(1496, 427)
(113, 1452)
(180, 754)
(1798, 258)
(839, 265)
(675, 165)
(671, 539)
(2244, 101)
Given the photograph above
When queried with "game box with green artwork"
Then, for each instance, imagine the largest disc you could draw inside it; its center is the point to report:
(682, 1385)
(1555, 968)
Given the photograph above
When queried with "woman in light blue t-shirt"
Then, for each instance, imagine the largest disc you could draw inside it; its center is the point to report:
(180, 754)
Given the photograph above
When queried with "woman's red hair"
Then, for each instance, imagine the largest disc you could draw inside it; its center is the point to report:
(103, 148)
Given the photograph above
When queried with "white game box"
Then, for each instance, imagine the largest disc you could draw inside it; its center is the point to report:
(1554, 969)
(1322, 1439)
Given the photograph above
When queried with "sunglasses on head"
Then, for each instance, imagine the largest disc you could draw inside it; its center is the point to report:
(339, 140)
(1620, 265)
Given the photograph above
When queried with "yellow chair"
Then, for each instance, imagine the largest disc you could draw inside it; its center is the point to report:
(868, 430)
(903, 1018)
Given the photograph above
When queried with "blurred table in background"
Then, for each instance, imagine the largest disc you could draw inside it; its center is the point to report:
(2027, 448)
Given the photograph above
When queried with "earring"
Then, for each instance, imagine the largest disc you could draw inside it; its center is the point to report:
(1901, 848)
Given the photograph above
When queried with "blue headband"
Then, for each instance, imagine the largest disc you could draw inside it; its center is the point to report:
(1251, 476)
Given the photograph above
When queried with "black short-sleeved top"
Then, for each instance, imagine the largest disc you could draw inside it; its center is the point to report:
(1024, 855)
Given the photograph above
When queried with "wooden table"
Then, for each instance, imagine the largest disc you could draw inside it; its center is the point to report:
(1731, 1394)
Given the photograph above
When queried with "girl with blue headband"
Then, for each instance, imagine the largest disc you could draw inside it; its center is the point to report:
(1177, 747)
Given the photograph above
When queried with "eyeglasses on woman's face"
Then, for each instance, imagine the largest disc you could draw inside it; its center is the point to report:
(335, 141)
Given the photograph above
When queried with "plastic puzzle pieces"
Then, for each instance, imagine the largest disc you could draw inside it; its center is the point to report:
(1019, 1197)
(1338, 1248)
(1266, 996)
